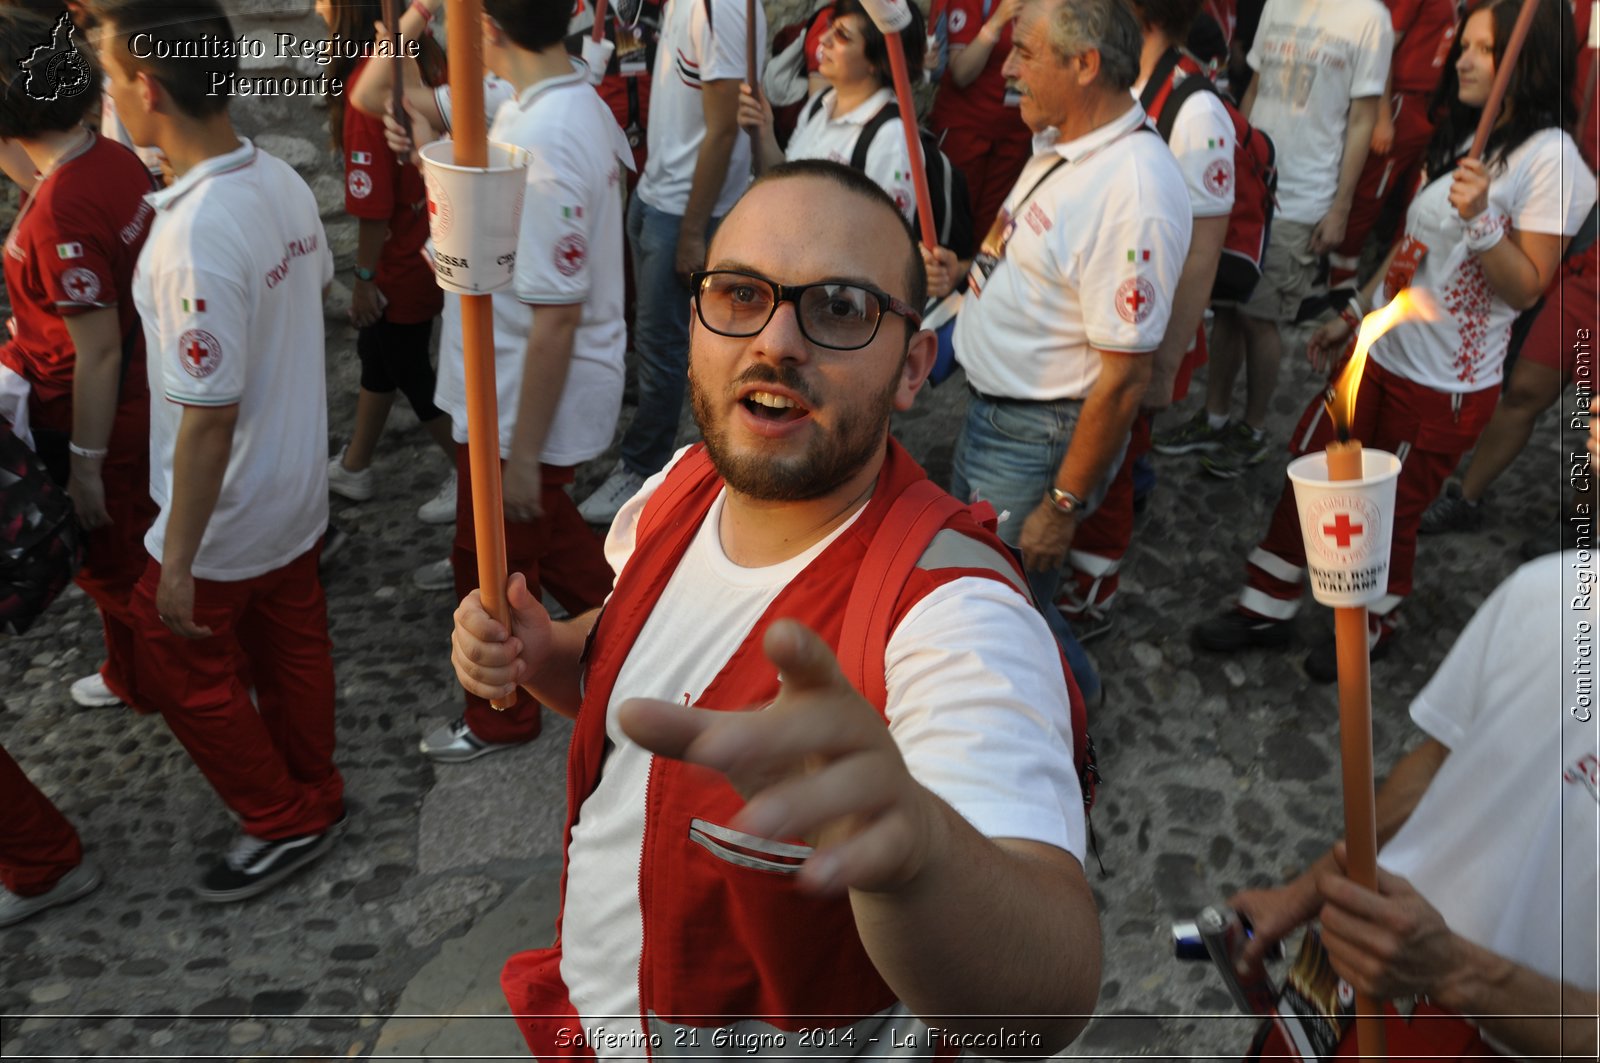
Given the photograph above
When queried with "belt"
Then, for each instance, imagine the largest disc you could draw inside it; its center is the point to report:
(1010, 401)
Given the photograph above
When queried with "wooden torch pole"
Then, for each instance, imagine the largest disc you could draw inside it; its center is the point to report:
(598, 33)
(397, 86)
(471, 148)
(1502, 78)
(891, 17)
(1355, 754)
(751, 76)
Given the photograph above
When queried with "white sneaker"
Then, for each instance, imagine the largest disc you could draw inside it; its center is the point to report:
(441, 508)
(92, 693)
(74, 884)
(356, 486)
(601, 507)
(438, 576)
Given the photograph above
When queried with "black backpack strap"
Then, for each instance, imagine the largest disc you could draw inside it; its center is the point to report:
(1585, 235)
(816, 104)
(1179, 96)
(1158, 77)
(858, 155)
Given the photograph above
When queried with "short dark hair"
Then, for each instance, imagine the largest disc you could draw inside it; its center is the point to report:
(1171, 17)
(27, 36)
(853, 180)
(531, 24)
(913, 39)
(177, 46)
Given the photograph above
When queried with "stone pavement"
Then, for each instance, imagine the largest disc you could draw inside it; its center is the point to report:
(1219, 773)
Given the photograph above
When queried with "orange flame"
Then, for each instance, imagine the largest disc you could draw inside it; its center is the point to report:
(1412, 304)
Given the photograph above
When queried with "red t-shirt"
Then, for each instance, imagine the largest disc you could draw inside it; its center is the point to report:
(1430, 28)
(981, 106)
(71, 251)
(380, 187)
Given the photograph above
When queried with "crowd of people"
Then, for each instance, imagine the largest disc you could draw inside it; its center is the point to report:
(1154, 183)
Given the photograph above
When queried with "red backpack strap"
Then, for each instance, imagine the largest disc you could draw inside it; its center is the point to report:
(912, 521)
(684, 479)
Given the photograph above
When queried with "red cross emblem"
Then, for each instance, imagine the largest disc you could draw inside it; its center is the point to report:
(199, 353)
(1135, 299)
(81, 285)
(570, 253)
(1342, 531)
(1219, 177)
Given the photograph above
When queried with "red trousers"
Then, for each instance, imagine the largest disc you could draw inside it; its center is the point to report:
(990, 162)
(1427, 430)
(557, 552)
(272, 765)
(114, 556)
(1383, 177)
(37, 844)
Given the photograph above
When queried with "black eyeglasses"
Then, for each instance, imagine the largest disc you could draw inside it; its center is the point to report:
(832, 314)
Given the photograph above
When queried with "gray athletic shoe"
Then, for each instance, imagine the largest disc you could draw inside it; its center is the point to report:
(81, 880)
(1241, 448)
(1192, 436)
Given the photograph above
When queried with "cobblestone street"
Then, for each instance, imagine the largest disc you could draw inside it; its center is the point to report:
(1219, 772)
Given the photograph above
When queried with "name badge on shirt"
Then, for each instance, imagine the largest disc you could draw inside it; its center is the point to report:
(1404, 265)
(991, 251)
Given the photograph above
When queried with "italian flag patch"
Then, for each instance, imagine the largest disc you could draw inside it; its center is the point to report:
(361, 158)
(194, 306)
(72, 250)
(1138, 256)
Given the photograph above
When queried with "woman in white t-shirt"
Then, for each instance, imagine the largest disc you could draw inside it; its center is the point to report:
(855, 63)
(1482, 239)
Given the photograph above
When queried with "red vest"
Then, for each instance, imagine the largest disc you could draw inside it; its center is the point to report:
(725, 941)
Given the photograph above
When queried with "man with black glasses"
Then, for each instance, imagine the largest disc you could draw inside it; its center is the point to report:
(839, 872)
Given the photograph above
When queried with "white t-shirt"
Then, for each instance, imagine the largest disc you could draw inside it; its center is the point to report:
(964, 675)
(1202, 142)
(569, 250)
(229, 285)
(1312, 57)
(824, 135)
(1545, 187)
(688, 55)
(497, 92)
(1065, 289)
(1503, 843)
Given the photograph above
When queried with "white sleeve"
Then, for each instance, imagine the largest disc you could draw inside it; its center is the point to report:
(981, 715)
(201, 334)
(721, 40)
(890, 167)
(1202, 142)
(1130, 269)
(1268, 16)
(496, 91)
(1448, 708)
(553, 239)
(1554, 187)
(1373, 54)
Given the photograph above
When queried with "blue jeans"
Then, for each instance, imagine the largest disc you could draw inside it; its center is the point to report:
(1008, 455)
(660, 336)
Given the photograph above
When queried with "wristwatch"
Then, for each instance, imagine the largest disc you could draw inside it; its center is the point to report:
(364, 274)
(1065, 501)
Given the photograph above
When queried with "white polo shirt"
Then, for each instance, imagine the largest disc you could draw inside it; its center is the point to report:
(1311, 58)
(1203, 143)
(695, 49)
(229, 285)
(822, 134)
(1090, 261)
(569, 250)
(497, 92)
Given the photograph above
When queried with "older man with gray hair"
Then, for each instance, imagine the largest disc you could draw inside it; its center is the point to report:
(1069, 295)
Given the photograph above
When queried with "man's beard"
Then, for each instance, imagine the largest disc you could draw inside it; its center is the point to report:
(830, 460)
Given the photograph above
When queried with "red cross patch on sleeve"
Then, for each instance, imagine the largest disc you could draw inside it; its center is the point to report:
(199, 352)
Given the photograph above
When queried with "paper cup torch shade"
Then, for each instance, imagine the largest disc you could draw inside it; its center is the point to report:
(890, 16)
(1347, 527)
(474, 215)
(597, 56)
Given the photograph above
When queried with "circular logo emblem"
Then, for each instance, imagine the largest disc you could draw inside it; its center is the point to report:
(1219, 177)
(82, 284)
(1344, 529)
(901, 200)
(1136, 298)
(570, 254)
(958, 20)
(439, 213)
(199, 353)
(1347, 993)
(360, 184)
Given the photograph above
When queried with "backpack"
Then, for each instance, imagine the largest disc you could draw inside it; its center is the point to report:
(1255, 174)
(41, 543)
(952, 208)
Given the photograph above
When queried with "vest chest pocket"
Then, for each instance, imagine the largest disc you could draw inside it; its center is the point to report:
(747, 850)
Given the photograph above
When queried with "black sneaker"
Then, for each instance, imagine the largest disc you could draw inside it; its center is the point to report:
(1241, 447)
(254, 865)
(1233, 631)
(1451, 512)
(1322, 663)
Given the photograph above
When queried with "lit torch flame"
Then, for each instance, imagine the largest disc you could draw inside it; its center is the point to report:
(1412, 304)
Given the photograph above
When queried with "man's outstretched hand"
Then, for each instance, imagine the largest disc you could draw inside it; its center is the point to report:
(818, 762)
